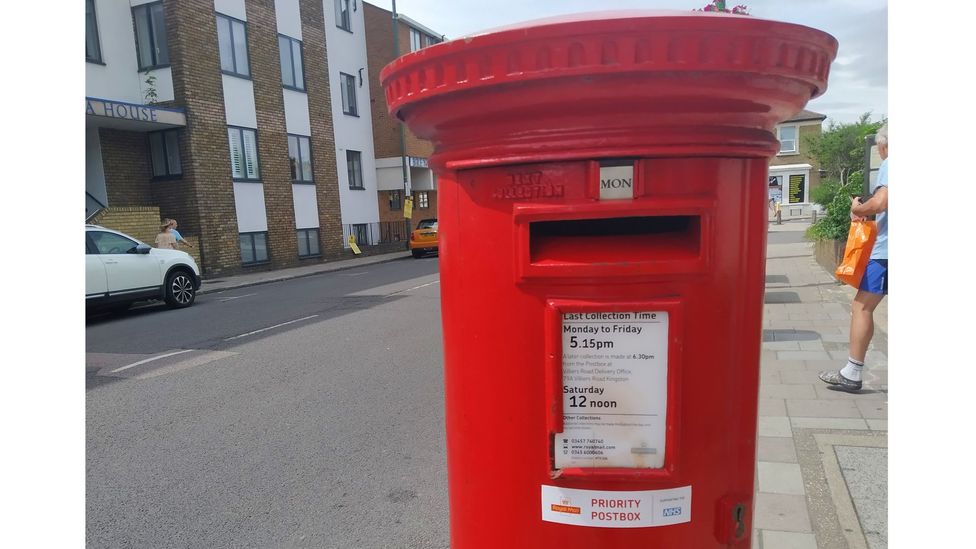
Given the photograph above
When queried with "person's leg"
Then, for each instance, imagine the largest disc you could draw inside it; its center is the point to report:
(862, 322)
(874, 287)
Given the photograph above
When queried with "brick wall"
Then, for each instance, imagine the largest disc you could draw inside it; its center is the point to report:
(324, 170)
(424, 213)
(262, 37)
(125, 159)
(141, 222)
(203, 200)
(379, 50)
(386, 214)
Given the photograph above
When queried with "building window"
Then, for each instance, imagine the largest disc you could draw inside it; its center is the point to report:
(361, 232)
(349, 105)
(254, 248)
(787, 139)
(152, 47)
(420, 39)
(300, 158)
(292, 67)
(232, 40)
(164, 149)
(396, 200)
(423, 202)
(415, 39)
(342, 15)
(243, 153)
(93, 52)
(308, 242)
(354, 166)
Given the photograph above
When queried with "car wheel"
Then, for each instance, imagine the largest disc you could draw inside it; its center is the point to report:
(417, 253)
(179, 289)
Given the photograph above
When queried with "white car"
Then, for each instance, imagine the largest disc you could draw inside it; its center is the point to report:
(120, 269)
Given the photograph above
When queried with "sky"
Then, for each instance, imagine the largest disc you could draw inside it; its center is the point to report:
(858, 81)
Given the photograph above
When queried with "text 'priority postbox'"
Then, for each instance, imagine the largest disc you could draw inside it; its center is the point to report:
(602, 208)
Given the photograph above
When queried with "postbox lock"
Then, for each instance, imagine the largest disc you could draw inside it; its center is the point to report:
(739, 520)
(733, 523)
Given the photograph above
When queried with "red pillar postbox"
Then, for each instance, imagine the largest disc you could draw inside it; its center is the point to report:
(602, 216)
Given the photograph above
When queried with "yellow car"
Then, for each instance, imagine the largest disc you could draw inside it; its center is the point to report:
(424, 238)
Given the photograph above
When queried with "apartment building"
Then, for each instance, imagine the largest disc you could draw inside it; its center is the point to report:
(401, 157)
(793, 172)
(218, 113)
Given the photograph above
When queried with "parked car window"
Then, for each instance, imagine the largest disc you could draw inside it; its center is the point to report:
(111, 243)
(427, 224)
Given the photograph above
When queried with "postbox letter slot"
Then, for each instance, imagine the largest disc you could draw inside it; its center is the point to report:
(618, 241)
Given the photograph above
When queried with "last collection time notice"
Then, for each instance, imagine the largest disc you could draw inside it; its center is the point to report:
(615, 375)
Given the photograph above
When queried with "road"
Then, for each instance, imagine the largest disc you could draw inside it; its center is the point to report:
(304, 413)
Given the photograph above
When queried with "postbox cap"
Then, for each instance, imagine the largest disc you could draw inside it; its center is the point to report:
(690, 82)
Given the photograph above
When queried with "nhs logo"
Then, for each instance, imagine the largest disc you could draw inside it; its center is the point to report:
(672, 511)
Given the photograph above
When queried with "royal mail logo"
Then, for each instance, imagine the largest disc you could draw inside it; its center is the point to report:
(672, 511)
(565, 506)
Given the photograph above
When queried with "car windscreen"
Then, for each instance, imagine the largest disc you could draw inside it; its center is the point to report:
(427, 224)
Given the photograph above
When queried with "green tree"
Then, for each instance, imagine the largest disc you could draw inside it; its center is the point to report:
(840, 153)
(836, 200)
(840, 149)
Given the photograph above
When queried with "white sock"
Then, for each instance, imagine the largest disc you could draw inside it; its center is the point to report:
(852, 370)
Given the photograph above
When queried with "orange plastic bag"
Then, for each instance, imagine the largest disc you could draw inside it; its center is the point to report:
(860, 241)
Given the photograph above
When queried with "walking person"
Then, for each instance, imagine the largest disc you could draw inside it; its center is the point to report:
(874, 285)
(176, 234)
(165, 239)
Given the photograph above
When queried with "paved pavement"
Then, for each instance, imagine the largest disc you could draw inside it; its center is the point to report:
(822, 454)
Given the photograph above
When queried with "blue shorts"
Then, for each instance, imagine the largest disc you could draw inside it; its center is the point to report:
(875, 278)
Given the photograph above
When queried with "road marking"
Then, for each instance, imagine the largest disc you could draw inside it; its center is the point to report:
(200, 360)
(236, 297)
(270, 327)
(411, 289)
(134, 364)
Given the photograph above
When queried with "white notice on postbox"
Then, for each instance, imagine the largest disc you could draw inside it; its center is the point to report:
(616, 509)
(615, 390)
(616, 182)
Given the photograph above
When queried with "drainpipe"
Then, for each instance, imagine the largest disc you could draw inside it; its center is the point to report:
(403, 137)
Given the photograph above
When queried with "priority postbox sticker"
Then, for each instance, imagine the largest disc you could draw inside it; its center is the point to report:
(615, 390)
(617, 509)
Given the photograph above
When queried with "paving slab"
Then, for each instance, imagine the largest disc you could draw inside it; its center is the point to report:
(780, 478)
(804, 355)
(775, 427)
(872, 409)
(822, 408)
(780, 390)
(772, 539)
(828, 423)
(782, 512)
(779, 449)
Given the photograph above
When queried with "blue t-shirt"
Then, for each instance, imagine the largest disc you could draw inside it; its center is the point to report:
(179, 237)
(880, 250)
